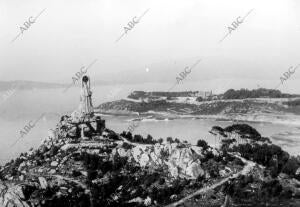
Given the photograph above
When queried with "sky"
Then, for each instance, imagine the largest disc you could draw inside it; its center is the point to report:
(172, 35)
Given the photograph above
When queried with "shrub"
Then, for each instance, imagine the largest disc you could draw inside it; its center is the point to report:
(177, 140)
(291, 166)
(271, 156)
(293, 102)
(123, 134)
(137, 138)
(245, 130)
(127, 146)
(76, 173)
(128, 136)
(202, 143)
(150, 179)
(255, 93)
(199, 99)
(160, 140)
(53, 150)
(161, 181)
(170, 139)
(149, 139)
(211, 167)
(113, 135)
(92, 174)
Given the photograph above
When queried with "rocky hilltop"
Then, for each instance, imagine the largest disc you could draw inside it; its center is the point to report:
(95, 168)
(87, 164)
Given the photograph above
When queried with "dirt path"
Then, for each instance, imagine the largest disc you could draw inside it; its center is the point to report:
(245, 171)
(71, 180)
(61, 178)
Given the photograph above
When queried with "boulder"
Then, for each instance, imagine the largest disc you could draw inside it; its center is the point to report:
(43, 182)
(40, 170)
(298, 172)
(122, 152)
(54, 164)
(21, 177)
(12, 196)
(135, 200)
(64, 159)
(181, 161)
(144, 160)
(84, 173)
(194, 170)
(173, 169)
(23, 164)
(147, 201)
(52, 171)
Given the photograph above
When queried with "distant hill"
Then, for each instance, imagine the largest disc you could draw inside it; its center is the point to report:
(142, 94)
(218, 107)
(208, 95)
(256, 93)
(27, 85)
(243, 101)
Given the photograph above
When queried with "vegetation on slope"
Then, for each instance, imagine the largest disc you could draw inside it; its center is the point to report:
(255, 93)
(261, 150)
(94, 172)
(205, 108)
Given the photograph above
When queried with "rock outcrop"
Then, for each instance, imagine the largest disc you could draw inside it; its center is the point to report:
(181, 160)
(12, 195)
(65, 167)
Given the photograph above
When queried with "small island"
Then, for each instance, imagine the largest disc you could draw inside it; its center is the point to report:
(259, 105)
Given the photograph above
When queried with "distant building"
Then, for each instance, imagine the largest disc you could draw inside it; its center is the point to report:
(203, 94)
(207, 94)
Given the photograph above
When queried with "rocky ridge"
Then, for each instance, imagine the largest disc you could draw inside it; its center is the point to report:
(61, 169)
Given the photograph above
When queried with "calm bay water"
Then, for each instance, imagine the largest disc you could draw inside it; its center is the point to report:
(25, 106)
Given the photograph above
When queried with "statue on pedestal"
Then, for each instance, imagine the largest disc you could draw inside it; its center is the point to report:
(86, 105)
(85, 108)
(84, 118)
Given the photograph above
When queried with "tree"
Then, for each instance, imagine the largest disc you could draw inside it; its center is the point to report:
(123, 134)
(160, 140)
(149, 139)
(202, 143)
(169, 98)
(128, 136)
(212, 168)
(170, 139)
(113, 135)
(199, 99)
(244, 130)
(256, 93)
(137, 138)
(291, 166)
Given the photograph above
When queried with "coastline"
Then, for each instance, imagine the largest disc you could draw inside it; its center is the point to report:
(284, 119)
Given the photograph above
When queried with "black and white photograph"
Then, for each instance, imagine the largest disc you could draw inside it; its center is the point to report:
(139, 103)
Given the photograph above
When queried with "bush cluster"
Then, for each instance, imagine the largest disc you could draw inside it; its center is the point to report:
(140, 139)
(271, 156)
(255, 93)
